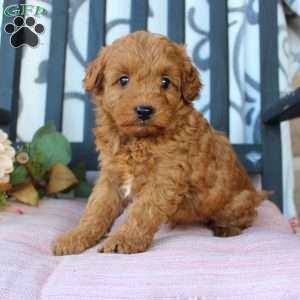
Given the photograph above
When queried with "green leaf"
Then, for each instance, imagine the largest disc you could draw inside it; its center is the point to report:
(83, 189)
(50, 149)
(80, 171)
(48, 128)
(41, 192)
(3, 199)
(39, 157)
(36, 169)
(19, 175)
(24, 148)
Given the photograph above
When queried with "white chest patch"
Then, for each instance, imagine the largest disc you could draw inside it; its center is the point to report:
(126, 188)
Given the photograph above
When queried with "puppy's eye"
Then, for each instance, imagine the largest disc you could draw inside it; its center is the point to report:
(123, 80)
(165, 83)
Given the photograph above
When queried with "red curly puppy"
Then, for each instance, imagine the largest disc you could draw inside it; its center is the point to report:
(157, 150)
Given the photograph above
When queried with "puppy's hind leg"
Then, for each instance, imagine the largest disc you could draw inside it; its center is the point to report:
(238, 214)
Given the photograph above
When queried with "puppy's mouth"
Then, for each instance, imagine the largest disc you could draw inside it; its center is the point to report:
(142, 124)
(141, 128)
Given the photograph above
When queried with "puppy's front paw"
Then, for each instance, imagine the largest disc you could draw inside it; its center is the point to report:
(73, 242)
(119, 243)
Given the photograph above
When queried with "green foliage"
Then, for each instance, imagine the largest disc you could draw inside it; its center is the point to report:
(80, 171)
(19, 175)
(23, 148)
(50, 147)
(36, 170)
(41, 192)
(3, 199)
(33, 176)
(83, 189)
(48, 128)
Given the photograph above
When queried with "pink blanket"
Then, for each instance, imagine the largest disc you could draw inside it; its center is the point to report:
(185, 263)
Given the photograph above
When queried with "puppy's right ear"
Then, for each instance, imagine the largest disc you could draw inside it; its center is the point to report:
(95, 72)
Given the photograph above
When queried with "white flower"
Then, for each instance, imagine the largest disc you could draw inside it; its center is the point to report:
(7, 156)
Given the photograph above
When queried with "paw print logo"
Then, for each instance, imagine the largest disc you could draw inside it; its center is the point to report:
(24, 32)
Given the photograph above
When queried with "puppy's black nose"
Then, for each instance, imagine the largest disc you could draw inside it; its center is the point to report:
(144, 112)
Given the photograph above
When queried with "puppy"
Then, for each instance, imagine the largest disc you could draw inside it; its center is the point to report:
(157, 151)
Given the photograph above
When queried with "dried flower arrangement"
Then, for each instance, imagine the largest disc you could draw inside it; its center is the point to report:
(38, 168)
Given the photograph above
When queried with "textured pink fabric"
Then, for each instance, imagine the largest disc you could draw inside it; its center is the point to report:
(186, 263)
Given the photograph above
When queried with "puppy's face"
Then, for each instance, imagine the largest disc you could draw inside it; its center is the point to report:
(142, 81)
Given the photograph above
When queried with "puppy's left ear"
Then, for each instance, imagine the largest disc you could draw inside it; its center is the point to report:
(191, 83)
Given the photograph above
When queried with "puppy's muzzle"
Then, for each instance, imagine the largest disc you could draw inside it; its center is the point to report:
(144, 112)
